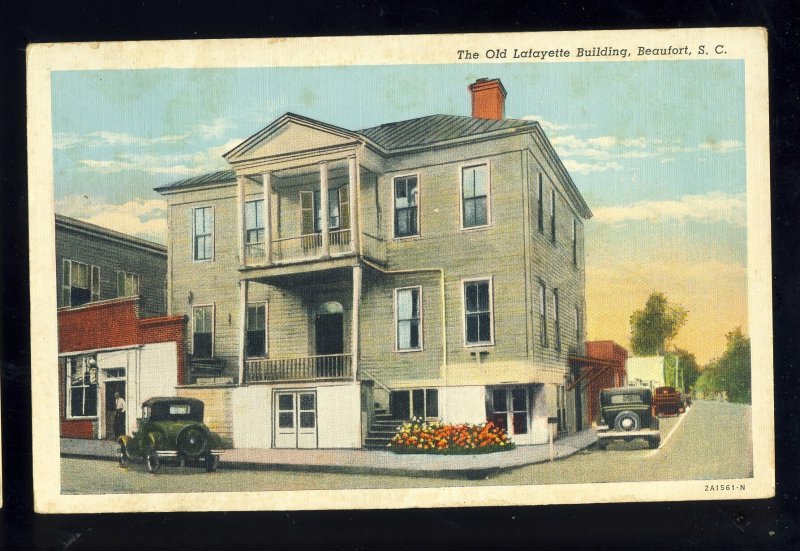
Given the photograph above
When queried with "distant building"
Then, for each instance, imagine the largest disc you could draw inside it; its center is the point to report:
(646, 371)
(95, 264)
(604, 366)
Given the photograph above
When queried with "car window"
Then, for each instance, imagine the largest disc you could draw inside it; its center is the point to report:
(626, 398)
(181, 409)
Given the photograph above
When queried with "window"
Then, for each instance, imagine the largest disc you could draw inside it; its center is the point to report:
(478, 312)
(553, 215)
(256, 345)
(409, 319)
(578, 324)
(574, 242)
(475, 193)
(254, 227)
(127, 284)
(338, 210)
(203, 233)
(543, 314)
(540, 205)
(80, 283)
(82, 387)
(425, 403)
(561, 408)
(556, 319)
(203, 331)
(406, 222)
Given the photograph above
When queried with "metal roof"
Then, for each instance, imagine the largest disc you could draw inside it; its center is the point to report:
(99, 231)
(435, 128)
(219, 177)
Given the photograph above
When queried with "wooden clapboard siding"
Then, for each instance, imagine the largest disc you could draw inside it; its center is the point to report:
(217, 412)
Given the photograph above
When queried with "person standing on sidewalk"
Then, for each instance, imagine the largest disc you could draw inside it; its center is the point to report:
(119, 415)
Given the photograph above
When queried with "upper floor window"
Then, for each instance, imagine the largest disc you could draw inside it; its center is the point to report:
(203, 331)
(203, 233)
(478, 312)
(540, 204)
(543, 314)
(574, 242)
(406, 216)
(254, 228)
(409, 319)
(80, 283)
(557, 319)
(127, 284)
(578, 324)
(82, 387)
(338, 210)
(553, 215)
(256, 344)
(474, 196)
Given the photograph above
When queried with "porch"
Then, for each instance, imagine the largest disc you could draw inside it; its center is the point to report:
(329, 367)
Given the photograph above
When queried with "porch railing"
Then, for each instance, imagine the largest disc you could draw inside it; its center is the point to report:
(309, 368)
(255, 251)
(307, 246)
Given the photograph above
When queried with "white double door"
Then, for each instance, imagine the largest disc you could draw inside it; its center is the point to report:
(295, 419)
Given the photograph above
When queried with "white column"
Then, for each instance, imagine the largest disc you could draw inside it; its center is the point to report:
(242, 328)
(354, 186)
(323, 203)
(240, 185)
(266, 178)
(355, 342)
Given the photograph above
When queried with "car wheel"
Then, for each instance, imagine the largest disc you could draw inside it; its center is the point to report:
(212, 463)
(654, 443)
(627, 421)
(191, 441)
(152, 461)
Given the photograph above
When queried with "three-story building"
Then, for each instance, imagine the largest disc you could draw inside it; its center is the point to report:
(432, 267)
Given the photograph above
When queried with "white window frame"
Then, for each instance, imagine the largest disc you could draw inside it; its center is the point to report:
(213, 325)
(394, 208)
(266, 325)
(138, 283)
(421, 346)
(256, 228)
(192, 212)
(461, 169)
(94, 293)
(68, 391)
(464, 282)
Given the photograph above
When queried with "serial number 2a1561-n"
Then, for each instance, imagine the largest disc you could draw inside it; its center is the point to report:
(724, 487)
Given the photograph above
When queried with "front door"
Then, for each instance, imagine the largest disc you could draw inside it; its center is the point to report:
(508, 409)
(296, 419)
(329, 334)
(110, 410)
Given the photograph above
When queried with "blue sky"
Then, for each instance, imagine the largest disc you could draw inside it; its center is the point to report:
(656, 148)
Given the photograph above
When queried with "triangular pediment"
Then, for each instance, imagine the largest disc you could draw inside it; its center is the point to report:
(290, 134)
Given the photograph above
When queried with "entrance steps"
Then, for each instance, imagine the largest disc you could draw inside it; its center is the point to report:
(383, 427)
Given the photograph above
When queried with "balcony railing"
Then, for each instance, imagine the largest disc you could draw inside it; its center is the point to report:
(255, 251)
(331, 367)
(308, 246)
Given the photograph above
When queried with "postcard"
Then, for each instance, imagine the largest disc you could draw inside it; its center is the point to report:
(400, 271)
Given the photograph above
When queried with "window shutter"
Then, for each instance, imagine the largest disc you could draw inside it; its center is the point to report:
(66, 278)
(307, 212)
(95, 283)
(344, 207)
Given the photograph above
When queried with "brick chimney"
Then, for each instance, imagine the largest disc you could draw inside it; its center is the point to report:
(488, 99)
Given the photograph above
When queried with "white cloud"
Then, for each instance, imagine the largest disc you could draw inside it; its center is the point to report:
(145, 218)
(712, 207)
(547, 125)
(722, 146)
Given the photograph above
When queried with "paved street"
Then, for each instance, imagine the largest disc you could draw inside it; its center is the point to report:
(711, 441)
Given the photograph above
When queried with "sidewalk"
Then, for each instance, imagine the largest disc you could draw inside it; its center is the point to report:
(367, 462)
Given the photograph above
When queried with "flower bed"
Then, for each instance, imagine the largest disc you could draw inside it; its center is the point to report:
(417, 436)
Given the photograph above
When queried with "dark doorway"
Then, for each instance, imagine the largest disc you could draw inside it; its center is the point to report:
(400, 405)
(113, 387)
(329, 333)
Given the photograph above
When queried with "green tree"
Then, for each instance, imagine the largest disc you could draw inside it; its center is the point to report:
(688, 370)
(654, 326)
(731, 372)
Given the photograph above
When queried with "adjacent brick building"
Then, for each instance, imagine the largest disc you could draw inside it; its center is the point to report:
(603, 366)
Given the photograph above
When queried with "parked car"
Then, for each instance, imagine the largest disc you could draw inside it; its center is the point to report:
(173, 429)
(626, 413)
(667, 401)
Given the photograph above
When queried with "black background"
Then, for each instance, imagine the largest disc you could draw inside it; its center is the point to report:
(724, 524)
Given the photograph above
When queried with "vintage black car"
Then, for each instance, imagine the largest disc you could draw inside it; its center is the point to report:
(173, 429)
(626, 413)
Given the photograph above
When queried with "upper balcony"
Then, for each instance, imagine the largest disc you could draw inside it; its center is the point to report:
(282, 222)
